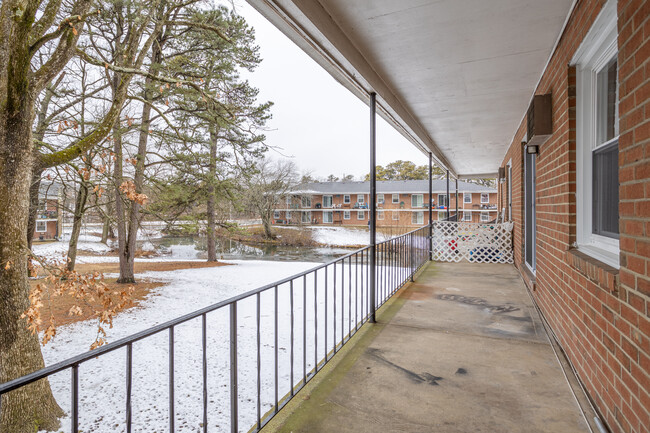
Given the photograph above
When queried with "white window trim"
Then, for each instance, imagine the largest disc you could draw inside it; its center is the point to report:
(465, 195)
(306, 215)
(331, 201)
(380, 198)
(380, 214)
(288, 200)
(360, 215)
(421, 201)
(44, 225)
(276, 214)
(361, 198)
(331, 217)
(346, 199)
(485, 217)
(346, 214)
(287, 215)
(395, 215)
(509, 189)
(443, 199)
(595, 51)
(466, 215)
(302, 201)
(417, 217)
(488, 197)
(395, 198)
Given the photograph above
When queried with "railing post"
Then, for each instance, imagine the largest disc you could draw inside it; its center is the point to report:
(457, 200)
(373, 199)
(234, 401)
(448, 210)
(412, 257)
(430, 205)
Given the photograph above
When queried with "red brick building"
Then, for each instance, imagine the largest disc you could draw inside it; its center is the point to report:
(48, 221)
(582, 243)
(399, 203)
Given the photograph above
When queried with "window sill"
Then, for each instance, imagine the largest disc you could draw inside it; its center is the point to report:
(597, 271)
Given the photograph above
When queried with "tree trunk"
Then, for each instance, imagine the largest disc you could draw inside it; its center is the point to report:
(266, 223)
(212, 223)
(79, 210)
(34, 188)
(32, 406)
(124, 253)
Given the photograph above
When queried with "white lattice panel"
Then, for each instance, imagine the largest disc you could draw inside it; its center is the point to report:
(474, 242)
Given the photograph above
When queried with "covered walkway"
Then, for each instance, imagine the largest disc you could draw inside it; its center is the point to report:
(460, 350)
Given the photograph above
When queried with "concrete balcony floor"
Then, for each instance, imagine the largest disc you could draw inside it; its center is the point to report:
(462, 349)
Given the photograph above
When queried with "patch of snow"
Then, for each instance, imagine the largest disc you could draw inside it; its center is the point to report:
(58, 250)
(340, 236)
(102, 380)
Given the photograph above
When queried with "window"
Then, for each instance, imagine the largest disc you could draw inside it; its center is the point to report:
(417, 218)
(360, 215)
(288, 200)
(442, 216)
(306, 201)
(485, 217)
(597, 139)
(327, 201)
(287, 215)
(395, 198)
(530, 228)
(346, 198)
(395, 216)
(380, 198)
(509, 190)
(276, 214)
(328, 217)
(485, 197)
(360, 198)
(467, 216)
(41, 226)
(442, 200)
(417, 200)
(467, 197)
(346, 214)
(42, 206)
(306, 217)
(380, 214)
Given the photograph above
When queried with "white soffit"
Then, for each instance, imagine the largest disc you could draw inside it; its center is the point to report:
(454, 76)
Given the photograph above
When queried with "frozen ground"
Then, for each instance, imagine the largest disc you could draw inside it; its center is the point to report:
(340, 236)
(102, 380)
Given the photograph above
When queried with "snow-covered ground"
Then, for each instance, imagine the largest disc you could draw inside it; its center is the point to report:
(340, 236)
(58, 250)
(102, 380)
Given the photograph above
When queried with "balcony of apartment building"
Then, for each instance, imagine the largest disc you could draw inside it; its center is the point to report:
(455, 326)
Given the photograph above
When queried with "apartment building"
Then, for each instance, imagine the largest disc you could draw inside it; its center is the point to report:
(399, 203)
(48, 221)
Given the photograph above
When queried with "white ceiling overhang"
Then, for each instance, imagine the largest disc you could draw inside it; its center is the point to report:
(455, 77)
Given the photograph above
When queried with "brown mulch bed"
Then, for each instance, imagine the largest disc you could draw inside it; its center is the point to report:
(59, 306)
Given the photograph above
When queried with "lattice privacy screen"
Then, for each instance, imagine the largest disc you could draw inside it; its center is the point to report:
(474, 242)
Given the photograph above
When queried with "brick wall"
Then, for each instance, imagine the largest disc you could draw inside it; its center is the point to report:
(600, 314)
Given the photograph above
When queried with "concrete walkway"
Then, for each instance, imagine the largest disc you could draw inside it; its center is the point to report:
(461, 350)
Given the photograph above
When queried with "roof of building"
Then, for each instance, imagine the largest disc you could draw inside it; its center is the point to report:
(389, 186)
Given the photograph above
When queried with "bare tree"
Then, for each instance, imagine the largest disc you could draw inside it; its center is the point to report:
(266, 186)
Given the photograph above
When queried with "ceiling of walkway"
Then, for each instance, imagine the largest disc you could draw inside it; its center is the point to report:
(454, 76)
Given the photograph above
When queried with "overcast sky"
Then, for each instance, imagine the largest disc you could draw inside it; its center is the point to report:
(316, 121)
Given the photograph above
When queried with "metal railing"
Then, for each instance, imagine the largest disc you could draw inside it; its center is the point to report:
(314, 313)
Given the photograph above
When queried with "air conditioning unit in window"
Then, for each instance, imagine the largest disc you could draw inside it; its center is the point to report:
(540, 120)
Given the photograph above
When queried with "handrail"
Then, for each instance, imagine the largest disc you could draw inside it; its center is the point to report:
(400, 250)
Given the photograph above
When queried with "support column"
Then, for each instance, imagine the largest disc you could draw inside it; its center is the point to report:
(430, 204)
(457, 200)
(448, 202)
(373, 206)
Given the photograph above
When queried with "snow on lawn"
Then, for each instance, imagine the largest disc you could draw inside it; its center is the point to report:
(58, 250)
(102, 380)
(340, 236)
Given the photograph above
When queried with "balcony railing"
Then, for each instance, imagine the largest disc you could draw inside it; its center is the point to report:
(314, 313)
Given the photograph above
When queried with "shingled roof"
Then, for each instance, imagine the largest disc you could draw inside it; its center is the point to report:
(389, 186)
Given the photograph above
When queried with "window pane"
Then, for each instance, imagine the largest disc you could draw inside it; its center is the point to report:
(607, 103)
(605, 191)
